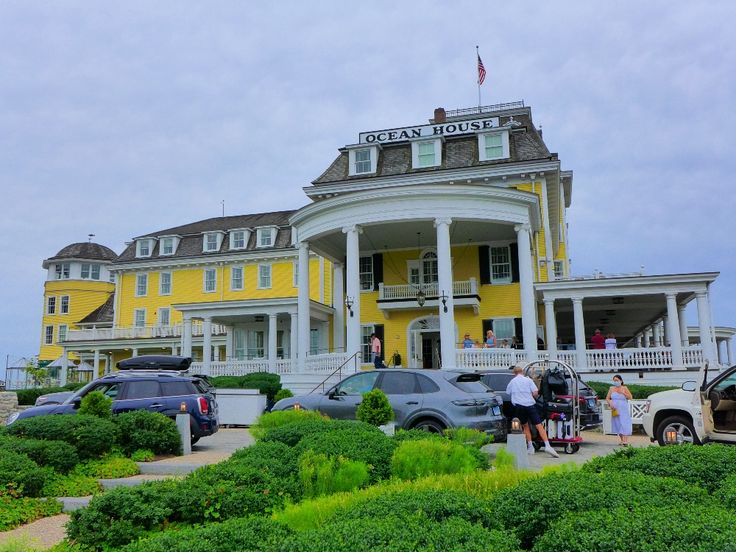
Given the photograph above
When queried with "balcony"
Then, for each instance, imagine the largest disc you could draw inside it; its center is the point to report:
(404, 296)
(139, 332)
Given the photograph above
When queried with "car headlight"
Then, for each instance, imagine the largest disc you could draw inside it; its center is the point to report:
(645, 409)
(12, 418)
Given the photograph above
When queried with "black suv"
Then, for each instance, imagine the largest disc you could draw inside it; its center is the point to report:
(153, 383)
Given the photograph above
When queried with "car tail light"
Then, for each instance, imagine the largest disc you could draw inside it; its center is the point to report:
(204, 407)
(468, 402)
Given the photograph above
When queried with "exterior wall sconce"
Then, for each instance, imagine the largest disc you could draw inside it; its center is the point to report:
(349, 302)
(515, 425)
(444, 299)
(421, 298)
(670, 437)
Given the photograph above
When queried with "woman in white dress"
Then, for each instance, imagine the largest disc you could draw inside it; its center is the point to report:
(618, 399)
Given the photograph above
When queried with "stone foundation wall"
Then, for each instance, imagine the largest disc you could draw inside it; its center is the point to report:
(8, 405)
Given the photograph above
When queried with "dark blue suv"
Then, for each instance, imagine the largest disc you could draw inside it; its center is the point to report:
(153, 383)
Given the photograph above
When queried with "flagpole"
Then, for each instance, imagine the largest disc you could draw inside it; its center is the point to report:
(477, 57)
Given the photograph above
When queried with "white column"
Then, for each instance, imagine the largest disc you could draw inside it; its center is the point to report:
(657, 336)
(338, 302)
(135, 352)
(186, 343)
(272, 329)
(216, 354)
(64, 367)
(579, 322)
(705, 327)
(206, 344)
(173, 350)
(444, 284)
(638, 341)
(353, 288)
(551, 323)
(673, 330)
(684, 338)
(229, 336)
(96, 364)
(729, 351)
(647, 337)
(294, 340)
(526, 281)
(303, 306)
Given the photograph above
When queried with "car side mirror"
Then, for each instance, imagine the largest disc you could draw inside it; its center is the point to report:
(689, 386)
(77, 402)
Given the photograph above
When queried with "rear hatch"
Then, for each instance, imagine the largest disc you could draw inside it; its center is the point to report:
(476, 396)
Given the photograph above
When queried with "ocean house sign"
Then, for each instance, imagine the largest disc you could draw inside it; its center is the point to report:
(427, 131)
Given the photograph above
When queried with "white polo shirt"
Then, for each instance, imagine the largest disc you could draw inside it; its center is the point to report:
(521, 389)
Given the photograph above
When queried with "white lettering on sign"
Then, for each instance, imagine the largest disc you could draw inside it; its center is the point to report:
(427, 131)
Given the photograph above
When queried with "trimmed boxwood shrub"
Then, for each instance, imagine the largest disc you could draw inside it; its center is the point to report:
(706, 466)
(17, 511)
(123, 514)
(90, 435)
(110, 467)
(290, 434)
(259, 534)
(375, 409)
(415, 435)
(140, 429)
(271, 420)
(436, 505)
(28, 397)
(60, 456)
(70, 485)
(529, 507)
(267, 383)
(726, 494)
(97, 404)
(282, 394)
(414, 459)
(21, 475)
(687, 527)
(272, 457)
(402, 533)
(355, 442)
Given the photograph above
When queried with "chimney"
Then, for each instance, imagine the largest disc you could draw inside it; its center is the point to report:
(440, 116)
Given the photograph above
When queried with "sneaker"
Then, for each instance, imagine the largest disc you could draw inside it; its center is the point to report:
(530, 449)
(552, 452)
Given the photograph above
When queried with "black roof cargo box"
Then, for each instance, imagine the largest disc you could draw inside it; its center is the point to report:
(155, 362)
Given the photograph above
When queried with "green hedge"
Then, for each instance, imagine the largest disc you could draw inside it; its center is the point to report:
(21, 475)
(706, 466)
(276, 458)
(70, 485)
(291, 433)
(531, 506)
(637, 391)
(687, 527)
(269, 421)
(110, 467)
(259, 534)
(90, 435)
(267, 383)
(28, 396)
(402, 533)
(17, 511)
(60, 456)
(140, 429)
(726, 494)
(414, 459)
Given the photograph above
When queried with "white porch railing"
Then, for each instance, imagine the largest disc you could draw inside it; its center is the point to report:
(230, 367)
(480, 359)
(409, 291)
(325, 363)
(139, 332)
(315, 364)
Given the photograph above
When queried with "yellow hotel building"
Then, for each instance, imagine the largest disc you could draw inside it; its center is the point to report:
(421, 234)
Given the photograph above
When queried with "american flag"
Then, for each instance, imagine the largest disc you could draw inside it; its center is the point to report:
(481, 71)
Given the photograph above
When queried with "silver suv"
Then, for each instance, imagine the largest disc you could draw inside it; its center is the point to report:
(432, 400)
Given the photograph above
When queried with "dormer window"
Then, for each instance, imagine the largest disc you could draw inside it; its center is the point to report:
(167, 246)
(426, 153)
(362, 160)
(212, 241)
(144, 248)
(493, 146)
(238, 239)
(62, 271)
(266, 237)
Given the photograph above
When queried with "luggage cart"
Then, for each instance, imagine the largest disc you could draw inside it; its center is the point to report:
(561, 412)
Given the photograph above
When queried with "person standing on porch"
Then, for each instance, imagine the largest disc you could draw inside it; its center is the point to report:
(610, 341)
(598, 341)
(490, 339)
(523, 392)
(618, 398)
(376, 351)
(467, 342)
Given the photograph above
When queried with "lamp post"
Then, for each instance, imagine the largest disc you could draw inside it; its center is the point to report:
(444, 299)
(349, 302)
(421, 298)
(516, 444)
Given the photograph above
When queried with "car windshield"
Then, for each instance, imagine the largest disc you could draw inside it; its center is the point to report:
(79, 393)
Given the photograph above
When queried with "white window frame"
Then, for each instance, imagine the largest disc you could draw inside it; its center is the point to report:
(63, 271)
(159, 318)
(136, 312)
(260, 234)
(416, 159)
(558, 269)
(365, 340)
(365, 277)
(164, 242)
(504, 145)
(139, 251)
(48, 336)
(61, 335)
(161, 275)
(51, 305)
(95, 271)
(141, 280)
(352, 163)
(206, 242)
(205, 272)
(262, 276)
(499, 332)
(246, 236)
(233, 286)
(85, 271)
(64, 306)
(505, 280)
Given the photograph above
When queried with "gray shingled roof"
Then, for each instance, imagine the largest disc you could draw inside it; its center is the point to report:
(192, 235)
(87, 251)
(102, 314)
(525, 144)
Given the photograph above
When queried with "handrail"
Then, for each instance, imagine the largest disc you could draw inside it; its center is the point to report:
(339, 368)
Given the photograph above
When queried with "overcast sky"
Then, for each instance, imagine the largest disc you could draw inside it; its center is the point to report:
(121, 118)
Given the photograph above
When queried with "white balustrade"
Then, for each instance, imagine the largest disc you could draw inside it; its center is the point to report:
(326, 363)
(430, 290)
(481, 359)
(139, 332)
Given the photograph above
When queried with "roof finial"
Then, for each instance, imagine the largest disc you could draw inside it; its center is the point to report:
(89, 238)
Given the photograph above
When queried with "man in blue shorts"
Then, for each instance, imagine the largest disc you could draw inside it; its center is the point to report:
(523, 392)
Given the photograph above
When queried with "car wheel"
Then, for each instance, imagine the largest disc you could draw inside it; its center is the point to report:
(431, 426)
(194, 439)
(682, 426)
